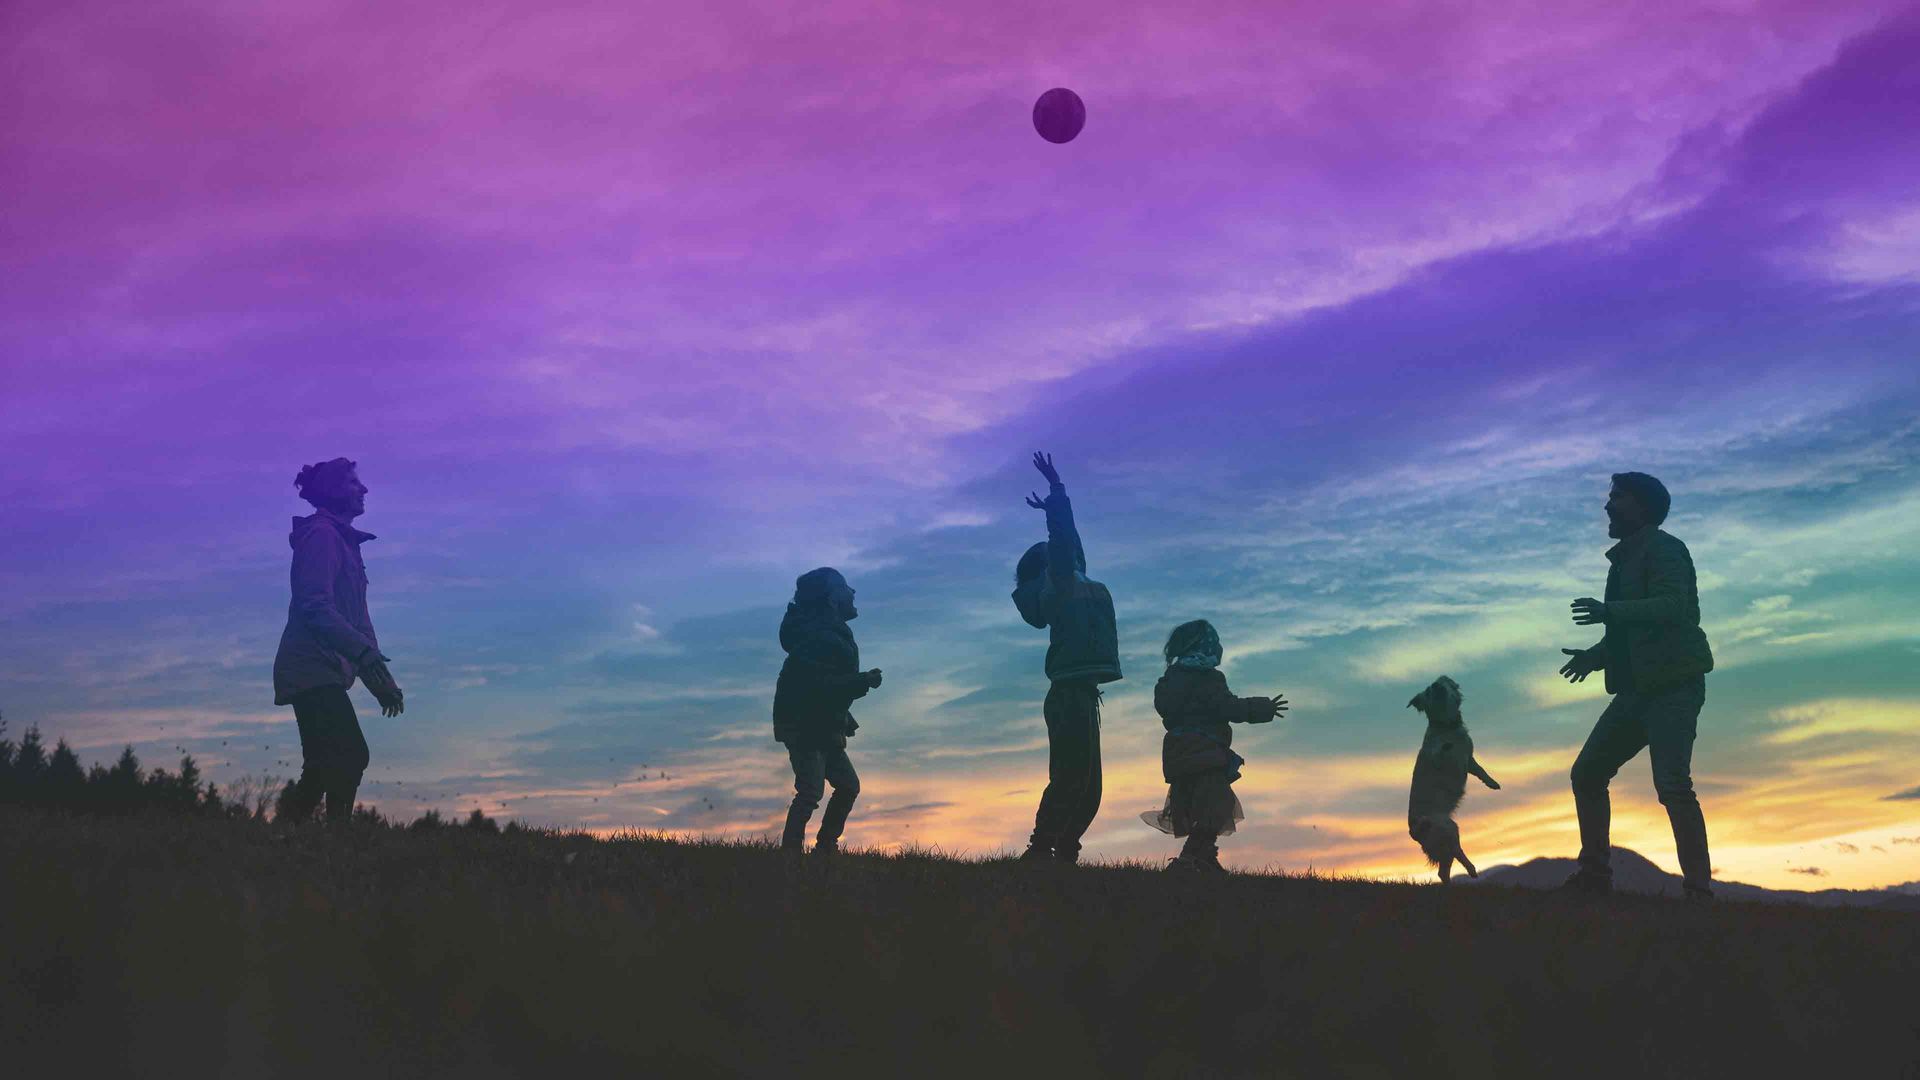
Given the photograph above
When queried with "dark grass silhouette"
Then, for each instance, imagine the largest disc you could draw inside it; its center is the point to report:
(177, 944)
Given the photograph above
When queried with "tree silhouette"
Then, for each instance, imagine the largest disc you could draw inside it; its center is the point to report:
(7, 754)
(30, 766)
(32, 776)
(66, 784)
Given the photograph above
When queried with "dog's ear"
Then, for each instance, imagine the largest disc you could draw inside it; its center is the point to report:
(1415, 703)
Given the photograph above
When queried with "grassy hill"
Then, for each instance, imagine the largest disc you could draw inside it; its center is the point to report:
(158, 945)
(1635, 873)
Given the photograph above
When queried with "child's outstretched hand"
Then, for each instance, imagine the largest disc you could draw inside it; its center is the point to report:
(1275, 705)
(1044, 462)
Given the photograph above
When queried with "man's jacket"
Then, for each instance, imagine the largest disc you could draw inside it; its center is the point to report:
(1076, 611)
(1654, 641)
(328, 627)
(819, 680)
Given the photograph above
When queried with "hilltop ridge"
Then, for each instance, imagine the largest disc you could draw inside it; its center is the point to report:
(1635, 873)
(174, 944)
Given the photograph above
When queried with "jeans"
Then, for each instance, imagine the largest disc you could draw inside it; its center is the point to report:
(333, 752)
(1664, 723)
(813, 768)
(1072, 798)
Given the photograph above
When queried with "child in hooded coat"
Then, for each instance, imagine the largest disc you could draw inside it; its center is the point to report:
(1196, 755)
(820, 679)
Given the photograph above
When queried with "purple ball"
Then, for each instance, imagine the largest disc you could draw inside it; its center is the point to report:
(1059, 115)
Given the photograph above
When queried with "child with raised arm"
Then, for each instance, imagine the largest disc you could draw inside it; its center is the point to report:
(1054, 593)
(1196, 755)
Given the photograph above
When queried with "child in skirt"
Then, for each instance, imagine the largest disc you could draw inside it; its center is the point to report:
(1196, 756)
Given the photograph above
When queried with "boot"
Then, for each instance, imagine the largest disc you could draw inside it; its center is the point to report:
(794, 837)
(1588, 881)
(1201, 853)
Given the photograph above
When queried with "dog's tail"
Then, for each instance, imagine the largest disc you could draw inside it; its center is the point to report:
(1438, 837)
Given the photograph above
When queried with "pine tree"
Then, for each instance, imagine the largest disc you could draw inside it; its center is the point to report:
(30, 768)
(6, 763)
(185, 794)
(66, 783)
(121, 790)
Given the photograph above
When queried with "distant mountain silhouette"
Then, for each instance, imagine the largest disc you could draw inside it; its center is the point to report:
(1634, 873)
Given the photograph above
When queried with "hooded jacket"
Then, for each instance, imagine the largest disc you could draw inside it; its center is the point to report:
(819, 680)
(1653, 640)
(1076, 611)
(1198, 710)
(328, 627)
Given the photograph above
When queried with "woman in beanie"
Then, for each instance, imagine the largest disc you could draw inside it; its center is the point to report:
(329, 642)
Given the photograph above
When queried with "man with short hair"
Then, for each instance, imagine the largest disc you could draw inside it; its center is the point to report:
(1656, 660)
(329, 642)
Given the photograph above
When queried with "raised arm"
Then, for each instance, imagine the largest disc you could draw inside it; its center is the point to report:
(1065, 555)
(1672, 595)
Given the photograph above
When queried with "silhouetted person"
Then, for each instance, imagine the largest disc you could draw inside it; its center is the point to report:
(1196, 754)
(1054, 593)
(329, 641)
(1656, 659)
(1440, 774)
(819, 680)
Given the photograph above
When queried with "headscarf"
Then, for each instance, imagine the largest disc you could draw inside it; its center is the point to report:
(1194, 644)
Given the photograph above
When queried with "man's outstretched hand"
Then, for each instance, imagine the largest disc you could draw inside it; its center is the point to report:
(873, 679)
(1588, 612)
(1578, 668)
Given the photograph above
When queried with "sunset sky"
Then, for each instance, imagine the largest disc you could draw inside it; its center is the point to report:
(1335, 317)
